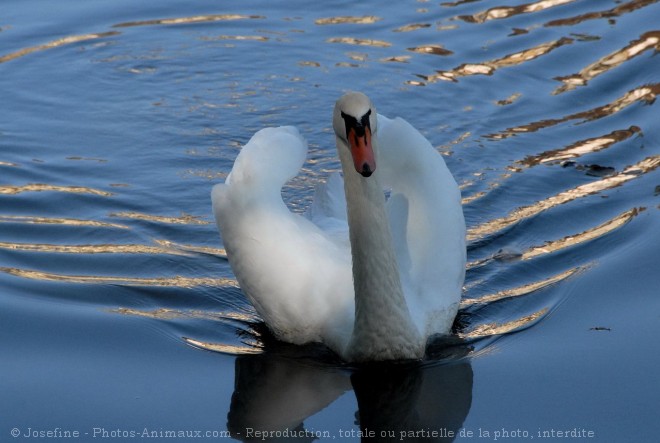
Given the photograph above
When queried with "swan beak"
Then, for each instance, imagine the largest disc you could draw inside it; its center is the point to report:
(362, 151)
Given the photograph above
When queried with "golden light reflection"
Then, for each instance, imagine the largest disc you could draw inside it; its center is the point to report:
(491, 329)
(184, 219)
(502, 12)
(41, 187)
(457, 3)
(395, 59)
(581, 147)
(359, 42)
(8, 164)
(589, 234)
(252, 38)
(470, 198)
(412, 27)
(509, 100)
(648, 40)
(188, 20)
(57, 221)
(521, 290)
(364, 20)
(645, 93)
(431, 49)
(310, 64)
(224, 348)
(176, 281)
(56, 43)
(92, 249)
(619, 10)
(490, 66)
(631, 172)
(193, 314)
(192, 248)
(574, 150)
(358, 56)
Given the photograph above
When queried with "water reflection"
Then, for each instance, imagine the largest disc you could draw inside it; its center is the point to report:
(648, 40)
(360, 41)
(276, 394)
(617, 11)
(368, 19)
(42, 187)
(645, 94)
(645, 166)
(490, 66)
(27, 219)
(175, 281)
(56, 43)
(184, 219)
(581, 147)
(502, 12)
(583, 237)
(188, 20)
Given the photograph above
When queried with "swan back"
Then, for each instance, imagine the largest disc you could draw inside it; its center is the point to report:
(427, 223)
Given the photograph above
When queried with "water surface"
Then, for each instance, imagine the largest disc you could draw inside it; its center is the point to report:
(118, 118)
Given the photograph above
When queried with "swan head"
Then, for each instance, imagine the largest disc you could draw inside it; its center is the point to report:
(354, 122)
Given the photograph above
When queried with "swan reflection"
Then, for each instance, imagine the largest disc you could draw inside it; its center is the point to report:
(275, 394)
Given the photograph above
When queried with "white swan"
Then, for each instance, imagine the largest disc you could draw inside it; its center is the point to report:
(382, 294)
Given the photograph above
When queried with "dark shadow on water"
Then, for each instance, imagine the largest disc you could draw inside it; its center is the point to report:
(399, 403)
(276, 392)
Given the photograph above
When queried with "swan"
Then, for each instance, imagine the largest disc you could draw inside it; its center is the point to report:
(370, 276)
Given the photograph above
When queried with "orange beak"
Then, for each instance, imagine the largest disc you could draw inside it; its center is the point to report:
(362, 151)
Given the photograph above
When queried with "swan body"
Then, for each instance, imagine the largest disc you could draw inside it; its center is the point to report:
(371, 277)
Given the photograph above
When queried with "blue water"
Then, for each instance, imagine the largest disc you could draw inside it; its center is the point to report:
(117, 118)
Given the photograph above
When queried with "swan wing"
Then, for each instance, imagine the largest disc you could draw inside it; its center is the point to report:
(427, 223)
(328, 210)
(295, 275)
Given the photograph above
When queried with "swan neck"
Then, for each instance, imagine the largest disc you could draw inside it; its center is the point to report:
(383, 326)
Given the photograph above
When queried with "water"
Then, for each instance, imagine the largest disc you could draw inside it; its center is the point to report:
(118, 118)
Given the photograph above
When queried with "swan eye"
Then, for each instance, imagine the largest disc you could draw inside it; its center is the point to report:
(365, 119)
(353, 123)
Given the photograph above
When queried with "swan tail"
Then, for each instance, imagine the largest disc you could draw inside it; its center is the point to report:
(269, 159)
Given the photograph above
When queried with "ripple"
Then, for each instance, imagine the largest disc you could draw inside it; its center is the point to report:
(41, 187)
(219, 252)
(503, 12)
(354, 20)
(492, 329)
(359, 42)
(184, 219)
(176, 281)
(431, 49)
(188, 20)
(649, 40)
(56, 43)
(170, 314)
(412, 27)
(631, 172)
(253, 38)
(509, 100)
(489, 67)
(58, 221)
(225, 348)
(581, 147)
(624, 8)
(583, 237)
(521, 290)
(645, 93)
(395, 59)
(91, 249)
